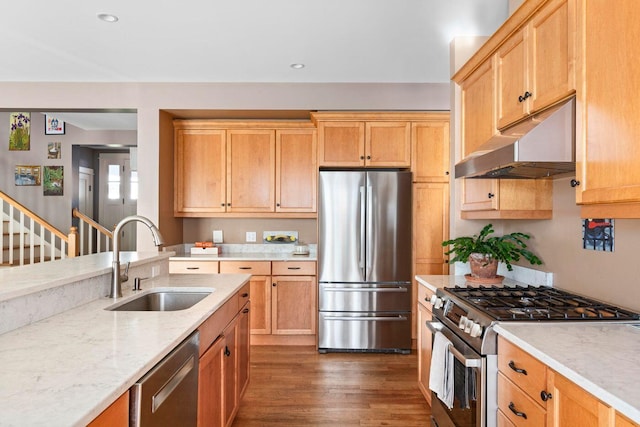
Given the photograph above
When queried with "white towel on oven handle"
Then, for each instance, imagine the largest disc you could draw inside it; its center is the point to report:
(441, 375)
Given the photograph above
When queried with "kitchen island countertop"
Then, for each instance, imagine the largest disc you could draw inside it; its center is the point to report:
(66, 369)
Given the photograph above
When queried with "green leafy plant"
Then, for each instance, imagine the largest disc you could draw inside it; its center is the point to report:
(507, 249)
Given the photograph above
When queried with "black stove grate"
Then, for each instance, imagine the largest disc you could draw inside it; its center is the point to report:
(538, 303)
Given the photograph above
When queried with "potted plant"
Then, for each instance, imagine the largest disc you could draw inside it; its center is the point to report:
(484, 252)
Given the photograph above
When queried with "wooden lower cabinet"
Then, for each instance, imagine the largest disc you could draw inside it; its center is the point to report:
(424, 341)
(523, 381)
(193, 267)
(116, 415)
(293, 305)
(224, 364)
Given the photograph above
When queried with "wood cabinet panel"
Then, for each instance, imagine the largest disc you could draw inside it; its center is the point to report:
(517, 405)
(250, 170)
(296, 268)
(210, 385)
(341, 144)
(478, 108)
(262, 268)
(430, 151)
(193, 267)
(200, 171)
(244, 349)
(387, 144)
(507, 199)
(424, 351)
(430, 222)
(260, 305)
(622, 421)
(296, 170)
(522, 369)
(116, 415)
(294, 305)
(511, 80)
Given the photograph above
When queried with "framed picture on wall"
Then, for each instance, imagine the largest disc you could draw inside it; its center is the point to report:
(53, 126)
(27, 175)
(53, 150)
(53, 177)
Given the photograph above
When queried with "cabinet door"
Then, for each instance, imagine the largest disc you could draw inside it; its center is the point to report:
(424, 351)
(294, 305)
(210, 385)
(507, 198)
(480, 195)
(230, 372)
(243, 349)
(388, 144)
(341, 144)
(250, 170)
(430, 151)
(478, 112)
(430, 222)
(296, 170)
(200, 171)
(573, 406)
(511, 80)
(116, 415)
(260, 305)
(552, 56)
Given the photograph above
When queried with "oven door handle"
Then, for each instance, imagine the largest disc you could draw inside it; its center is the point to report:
(468, 362)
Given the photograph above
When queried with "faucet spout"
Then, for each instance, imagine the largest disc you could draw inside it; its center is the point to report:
(117, 279)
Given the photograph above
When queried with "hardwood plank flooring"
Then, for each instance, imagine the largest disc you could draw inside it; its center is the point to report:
(297, 386)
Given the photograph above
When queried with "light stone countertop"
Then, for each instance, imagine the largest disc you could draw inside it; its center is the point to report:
(66, 369)
(246, 256)
(600, 358)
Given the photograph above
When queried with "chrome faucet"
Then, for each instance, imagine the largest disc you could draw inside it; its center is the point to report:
(117, 278)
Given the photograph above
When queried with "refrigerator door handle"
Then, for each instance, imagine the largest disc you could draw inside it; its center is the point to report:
(361, 254)
(370, 234)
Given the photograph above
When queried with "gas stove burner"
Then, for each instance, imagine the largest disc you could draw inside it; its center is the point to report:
(529, 312)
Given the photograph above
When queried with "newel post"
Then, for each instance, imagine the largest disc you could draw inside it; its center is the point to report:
(73, 250)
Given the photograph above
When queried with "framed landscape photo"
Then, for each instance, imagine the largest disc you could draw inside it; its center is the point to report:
(53, 126)
(27, 175)
(53, 180)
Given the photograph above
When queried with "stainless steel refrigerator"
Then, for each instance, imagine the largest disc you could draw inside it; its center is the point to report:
(364, 261)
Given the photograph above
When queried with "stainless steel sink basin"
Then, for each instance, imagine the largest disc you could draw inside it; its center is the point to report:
(162, 301)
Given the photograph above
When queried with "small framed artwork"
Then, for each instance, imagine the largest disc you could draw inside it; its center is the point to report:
(20, 132)
(53, 180)
(53, 150)
(53, 126)
(27, 175)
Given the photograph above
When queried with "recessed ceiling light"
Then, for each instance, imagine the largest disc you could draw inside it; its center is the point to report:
(297, 66)
(107, 17)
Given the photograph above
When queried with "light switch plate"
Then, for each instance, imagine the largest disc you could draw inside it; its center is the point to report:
(217, 236)
(251, 236)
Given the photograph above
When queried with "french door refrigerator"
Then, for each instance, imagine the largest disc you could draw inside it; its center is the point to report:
(364, 261)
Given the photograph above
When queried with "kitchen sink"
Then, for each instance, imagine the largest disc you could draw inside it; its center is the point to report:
(162, 301)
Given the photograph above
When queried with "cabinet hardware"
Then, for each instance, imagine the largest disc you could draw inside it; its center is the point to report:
(361, 157)
(221, 204)
(545, 396)
(512, 365)
(368, 157)
(245, 311)
(227, 352)
(244, 295)
(228, 204)
(446, 173)
(293, 268)
(526, 95)
(574, 183)
(491, 195)
(512, 407)
(244, 268)
(274, 284)
(278, 204)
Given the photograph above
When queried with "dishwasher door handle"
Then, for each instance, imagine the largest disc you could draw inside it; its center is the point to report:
(162, 394)
(398, 289)
(365, 319)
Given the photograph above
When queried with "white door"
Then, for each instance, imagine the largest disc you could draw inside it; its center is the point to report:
(85, 202)
(118, 195)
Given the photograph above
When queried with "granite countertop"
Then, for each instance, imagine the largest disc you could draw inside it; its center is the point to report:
(602, 358)
(599, 357)
(245, 252)
(66, 369)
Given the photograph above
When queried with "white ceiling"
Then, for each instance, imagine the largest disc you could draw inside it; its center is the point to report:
(374, 41)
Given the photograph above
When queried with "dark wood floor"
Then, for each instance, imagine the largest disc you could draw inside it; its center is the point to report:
(296, 386)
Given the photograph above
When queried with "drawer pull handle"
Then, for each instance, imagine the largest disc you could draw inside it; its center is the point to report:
(245, 311)
(227, 353)
(518, 370)
(244, 295)
(193, 268)
(244, 268)
(545, 396)
(294, 268)
(512, 408)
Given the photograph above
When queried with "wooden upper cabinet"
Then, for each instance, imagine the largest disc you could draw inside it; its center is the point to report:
(200, 171)
(430, 151)
(296, 170)
(478, 113)
(536, 66)
(250, 166)
(507, 199)
(341, 144)
(387, 144)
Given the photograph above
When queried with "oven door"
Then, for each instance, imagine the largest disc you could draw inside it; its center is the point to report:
(469, 389)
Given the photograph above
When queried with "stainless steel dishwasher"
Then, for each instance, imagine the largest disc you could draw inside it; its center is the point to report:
(168, 394)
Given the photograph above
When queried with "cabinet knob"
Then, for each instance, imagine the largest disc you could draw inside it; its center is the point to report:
(274, 284)
(244, 295)
(227, 352)
(361, 157)
(574, 183)
(222, 204)
(520, 98)
(368, 157)
(545, 396)
(446, 173)
(491, 195)
(228, 204)
(527, 95)
(278, 204)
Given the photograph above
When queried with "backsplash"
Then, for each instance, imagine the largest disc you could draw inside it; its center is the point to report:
(520, 274)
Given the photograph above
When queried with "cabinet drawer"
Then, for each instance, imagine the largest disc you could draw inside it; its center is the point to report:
(246, 267)
(512, 400)
(211, 328)
(297, 268)
(193, 267)
(534, 378)
(243, 295)
(424, 296)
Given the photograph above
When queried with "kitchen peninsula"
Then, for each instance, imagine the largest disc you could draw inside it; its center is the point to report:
(63, 367)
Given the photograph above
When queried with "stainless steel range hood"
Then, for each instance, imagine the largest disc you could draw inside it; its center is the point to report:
(540, 147)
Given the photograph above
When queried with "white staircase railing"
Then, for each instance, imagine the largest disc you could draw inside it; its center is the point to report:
(93, 237)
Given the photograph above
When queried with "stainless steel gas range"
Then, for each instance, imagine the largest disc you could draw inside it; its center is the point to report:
(465, 315)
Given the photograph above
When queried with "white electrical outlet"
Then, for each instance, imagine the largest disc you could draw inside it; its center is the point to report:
(251, 236)
(155, 270)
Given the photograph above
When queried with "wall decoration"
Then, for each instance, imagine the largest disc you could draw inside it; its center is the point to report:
(53, 150)
(53, 180)
(53, 126)
(598, 234)
(20, 131)
(27, 175)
